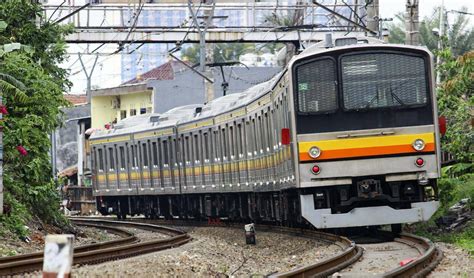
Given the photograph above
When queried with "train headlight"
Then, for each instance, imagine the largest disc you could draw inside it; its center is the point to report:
(418, 145)
(314, 152)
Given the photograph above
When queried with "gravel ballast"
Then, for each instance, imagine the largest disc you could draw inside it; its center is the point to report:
(217, 251)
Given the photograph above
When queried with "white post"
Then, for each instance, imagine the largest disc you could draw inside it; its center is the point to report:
(80, 152)
(58, 256)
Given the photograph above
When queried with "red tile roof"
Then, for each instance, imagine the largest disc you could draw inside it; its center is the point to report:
(76, 99)
(163, 72)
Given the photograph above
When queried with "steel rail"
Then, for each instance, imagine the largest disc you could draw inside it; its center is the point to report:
(421, 266)
(350, 254)
(101, 252)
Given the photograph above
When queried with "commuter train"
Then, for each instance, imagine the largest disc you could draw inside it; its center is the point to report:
(346, 135)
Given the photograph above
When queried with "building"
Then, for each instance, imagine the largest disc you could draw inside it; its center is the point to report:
(167, 86)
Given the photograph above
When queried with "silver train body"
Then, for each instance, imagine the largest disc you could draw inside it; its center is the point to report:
(344, 136)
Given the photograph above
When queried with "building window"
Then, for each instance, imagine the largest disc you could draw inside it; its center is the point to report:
(123, 114)
(142, 110)
(133, 112)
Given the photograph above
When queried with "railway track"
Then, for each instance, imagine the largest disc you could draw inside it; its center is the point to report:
(127, 246)
(429, 257)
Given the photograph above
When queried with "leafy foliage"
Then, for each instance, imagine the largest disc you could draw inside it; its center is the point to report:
(223, 52)
(32, 85)
(459, 34)
(456, 102)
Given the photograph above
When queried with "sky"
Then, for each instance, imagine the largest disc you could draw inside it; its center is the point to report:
(107, 71)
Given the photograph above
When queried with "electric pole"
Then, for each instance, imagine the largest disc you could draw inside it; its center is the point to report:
(412, 23)
(373, 16)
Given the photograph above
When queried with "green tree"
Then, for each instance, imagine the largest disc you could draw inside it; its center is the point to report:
(223, 52)
(456, 102)
(32, 86)
(460, 36)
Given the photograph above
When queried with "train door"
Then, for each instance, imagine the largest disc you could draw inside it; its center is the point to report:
(197, 157)
(145, 164)
(122, 166)
(165, 158)
(112, 182)
(206, 148)
(216, 167)
(155, 168)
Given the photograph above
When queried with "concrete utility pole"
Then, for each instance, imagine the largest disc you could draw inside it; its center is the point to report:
(412, 23)
(206, 52)
(88, 75)
(440, 40)
(373, 16)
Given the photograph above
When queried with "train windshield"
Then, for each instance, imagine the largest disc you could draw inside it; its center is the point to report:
(363, 89)
(381, 80)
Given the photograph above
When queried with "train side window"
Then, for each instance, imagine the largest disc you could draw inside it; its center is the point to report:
(122, 158)
(145, 155)
(197, 157)
(111, 159)
(240, 138)
(155, 154)
(134, 156)
(206, 147)
(101, 160)
(231, 142)
(187, 150)
(165, 153)
(217, 145)
(224, 144)
(172, 149)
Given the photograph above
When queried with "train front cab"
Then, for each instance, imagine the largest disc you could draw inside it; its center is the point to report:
(367, 139)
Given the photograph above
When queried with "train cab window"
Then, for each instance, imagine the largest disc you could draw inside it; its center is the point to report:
(165, 152)
(316, 90)
(155, 154)
(101, 160)
(145, 155)
(111, 159)
(122, 157)
(379, 80)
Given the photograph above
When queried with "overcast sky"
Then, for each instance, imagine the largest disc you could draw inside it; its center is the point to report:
(388, 8)
(107, 72)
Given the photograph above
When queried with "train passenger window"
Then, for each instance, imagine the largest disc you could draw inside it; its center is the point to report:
(134, 156)
(206, 147)
(225, 145)
(111, 159)
(155, 154)
(165, 152)
(231, 141)
(217, 145)
(145, 155)
(187, 150)
(239, 139)
(197, 150)
(316, 89)
(122, 157)
(101, 160)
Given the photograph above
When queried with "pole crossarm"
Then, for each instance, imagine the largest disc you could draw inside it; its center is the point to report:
(212, 36)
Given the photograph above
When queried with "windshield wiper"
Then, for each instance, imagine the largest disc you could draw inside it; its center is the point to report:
(396, 97)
